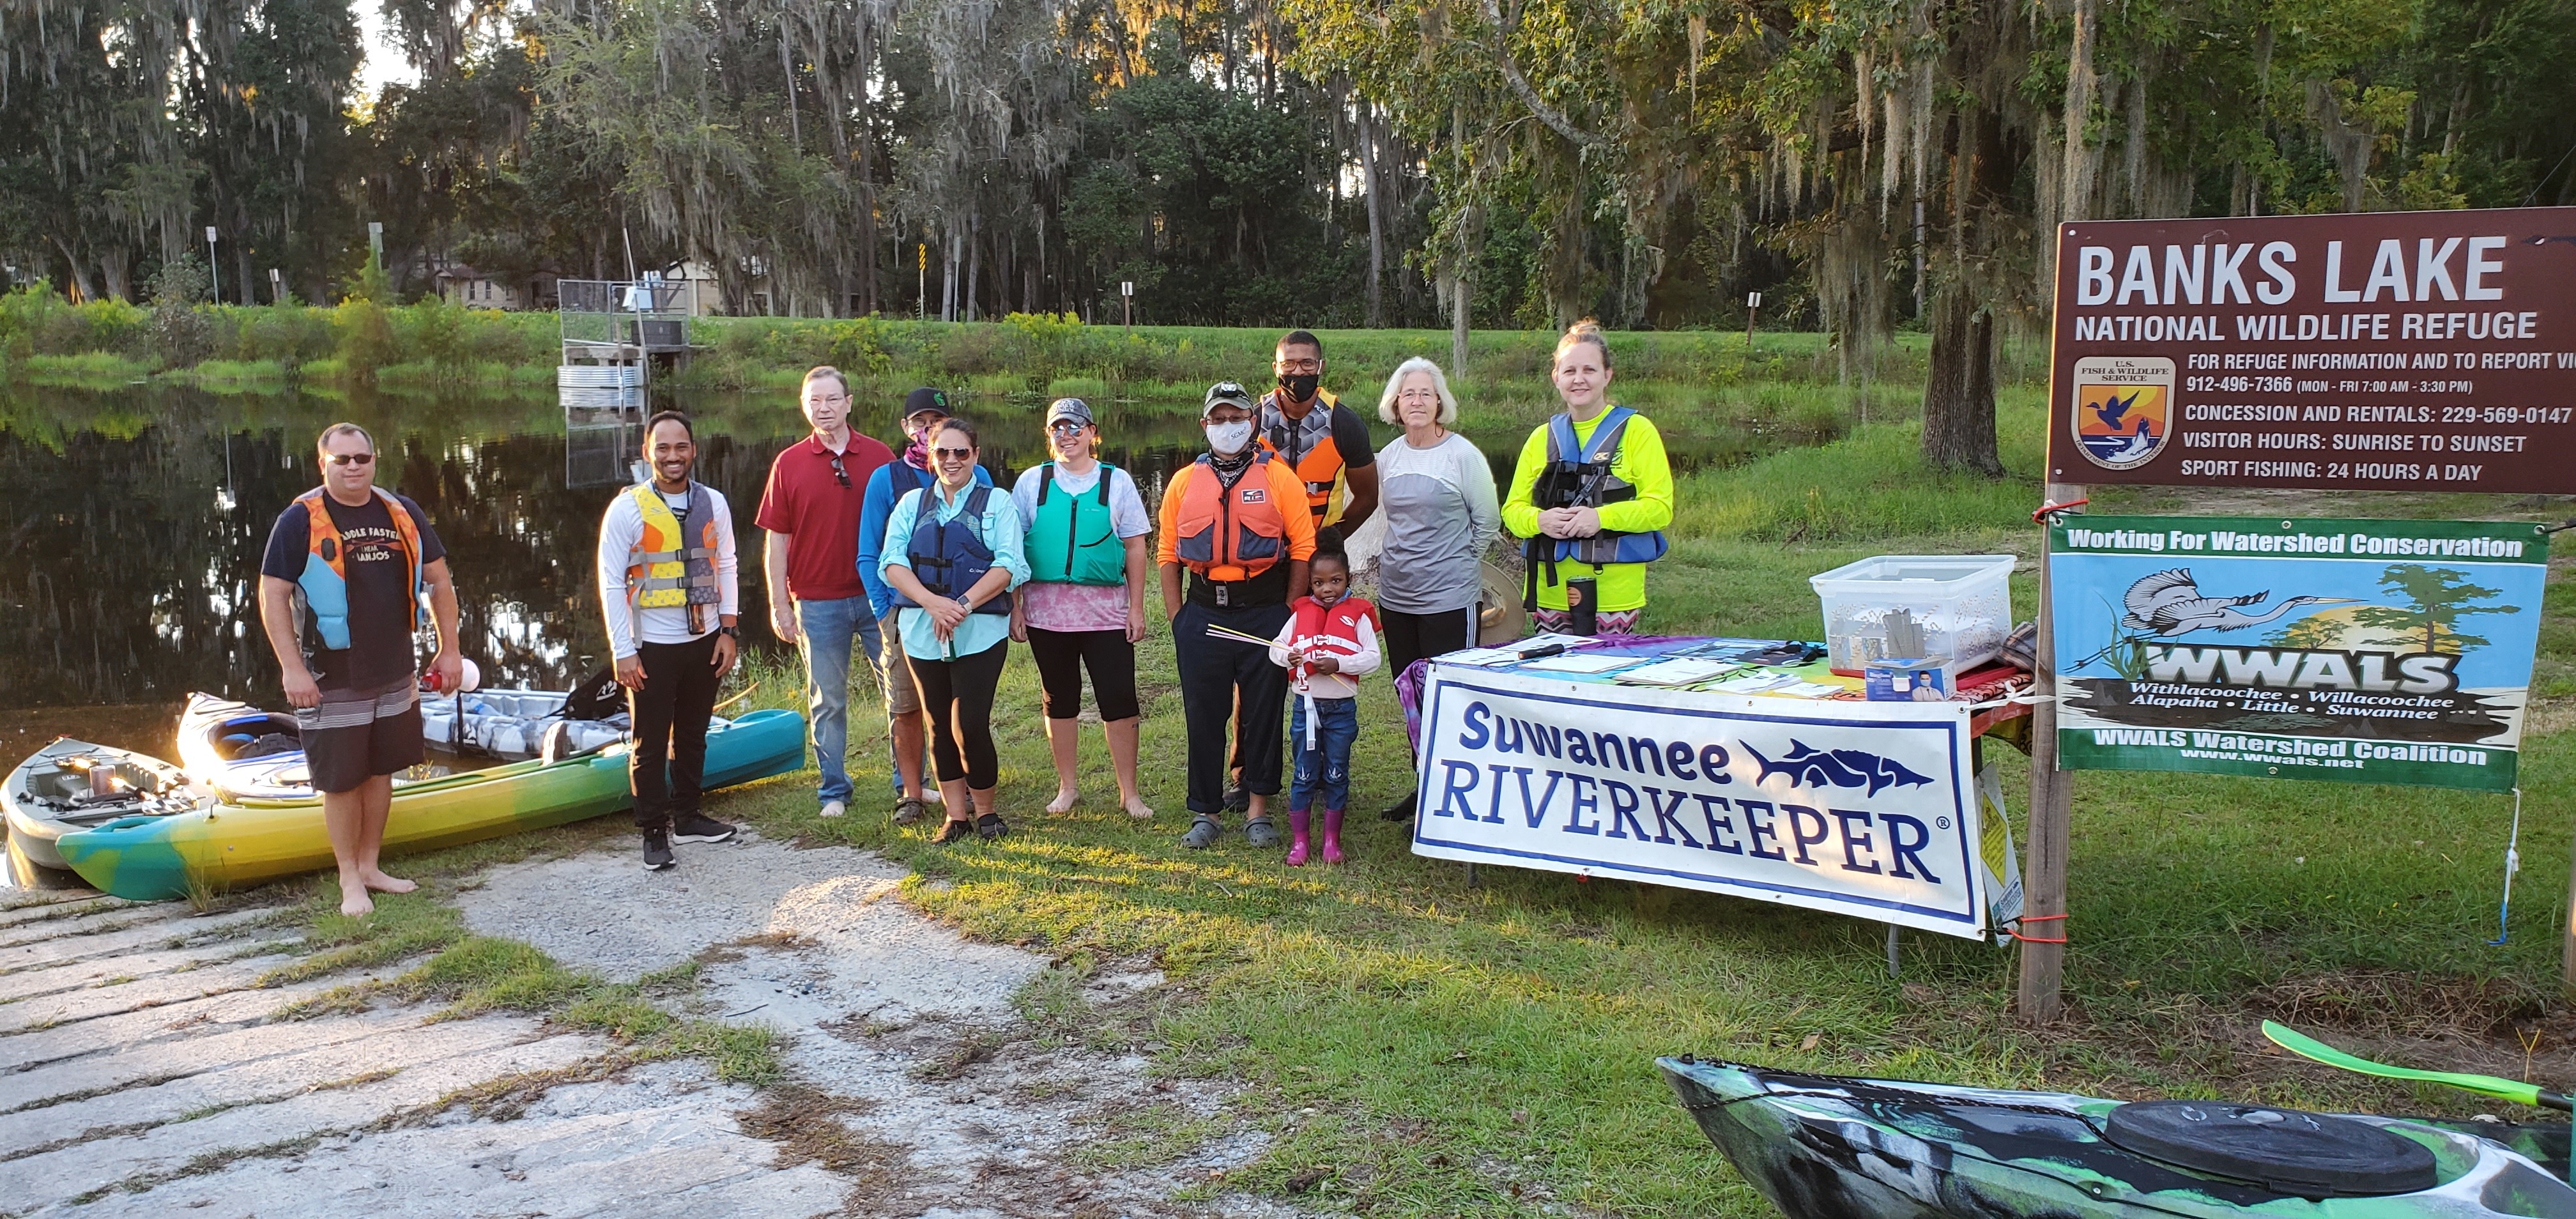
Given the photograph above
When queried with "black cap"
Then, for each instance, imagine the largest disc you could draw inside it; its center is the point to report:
(925, 400)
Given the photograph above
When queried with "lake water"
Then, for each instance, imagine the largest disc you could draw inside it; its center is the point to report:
(134, 519)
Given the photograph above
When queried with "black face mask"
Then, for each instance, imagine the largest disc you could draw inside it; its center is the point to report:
(1300, 385)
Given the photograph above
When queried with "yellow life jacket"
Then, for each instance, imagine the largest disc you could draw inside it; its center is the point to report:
(662, 571)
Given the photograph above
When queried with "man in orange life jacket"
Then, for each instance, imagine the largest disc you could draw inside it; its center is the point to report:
(1327, 445)
(1234, 518)
(339, 594)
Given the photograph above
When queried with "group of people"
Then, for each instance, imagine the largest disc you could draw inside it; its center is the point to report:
(925, 569)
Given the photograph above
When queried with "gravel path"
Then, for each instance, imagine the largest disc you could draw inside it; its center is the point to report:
(144, 1072)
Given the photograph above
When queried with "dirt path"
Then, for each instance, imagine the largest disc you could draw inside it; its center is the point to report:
(144, 1070)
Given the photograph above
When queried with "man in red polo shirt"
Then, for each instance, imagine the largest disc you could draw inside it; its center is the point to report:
(810, 509)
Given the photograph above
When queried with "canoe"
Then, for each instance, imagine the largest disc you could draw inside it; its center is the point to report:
(242, 751)
(1830, 1147)
(265, 822)
(72, 785)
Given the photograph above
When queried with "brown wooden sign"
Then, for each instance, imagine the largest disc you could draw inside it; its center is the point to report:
(2429, 351)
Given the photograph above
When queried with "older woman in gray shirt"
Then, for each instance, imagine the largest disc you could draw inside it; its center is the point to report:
(1438, 497)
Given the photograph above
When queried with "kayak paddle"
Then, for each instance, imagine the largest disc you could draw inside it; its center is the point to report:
(2308, 1047)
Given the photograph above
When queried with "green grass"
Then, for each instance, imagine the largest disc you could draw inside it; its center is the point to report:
(1488, 1050)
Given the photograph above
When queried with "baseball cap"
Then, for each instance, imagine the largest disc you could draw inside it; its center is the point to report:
(1071, 408)
(925, 399)
(1225, 393)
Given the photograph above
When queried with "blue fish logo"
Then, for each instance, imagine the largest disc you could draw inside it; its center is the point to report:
(1807, 766)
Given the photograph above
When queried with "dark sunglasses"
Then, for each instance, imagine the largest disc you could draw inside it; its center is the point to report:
(954, 454)
(353, 459)
(1065, 427)
(839, 473)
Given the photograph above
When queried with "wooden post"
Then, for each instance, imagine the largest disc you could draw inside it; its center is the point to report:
(2043, 881)
(2567, 935)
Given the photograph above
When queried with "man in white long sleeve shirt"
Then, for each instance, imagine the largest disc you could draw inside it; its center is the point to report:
(668, 586)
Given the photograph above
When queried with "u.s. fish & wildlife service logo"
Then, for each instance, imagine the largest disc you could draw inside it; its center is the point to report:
(2123, 409)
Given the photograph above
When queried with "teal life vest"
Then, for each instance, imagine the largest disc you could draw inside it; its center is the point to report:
(1073, 540)
(949, 557)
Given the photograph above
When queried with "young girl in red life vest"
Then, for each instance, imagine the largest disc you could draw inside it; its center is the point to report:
(1327, 645)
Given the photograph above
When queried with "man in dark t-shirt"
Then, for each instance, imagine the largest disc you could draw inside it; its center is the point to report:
(339, 589)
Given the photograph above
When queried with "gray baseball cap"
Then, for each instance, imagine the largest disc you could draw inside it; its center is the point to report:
(1070, 408)
(1226, 393)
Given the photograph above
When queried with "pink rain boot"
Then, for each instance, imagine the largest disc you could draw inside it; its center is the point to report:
(1297, 826)
(1332, 835)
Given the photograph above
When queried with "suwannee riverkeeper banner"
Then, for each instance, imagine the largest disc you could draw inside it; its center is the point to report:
(2367, 651)
(1865, 809)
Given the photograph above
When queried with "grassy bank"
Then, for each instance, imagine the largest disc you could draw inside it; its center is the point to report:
(434, 344)
(1437, 1049)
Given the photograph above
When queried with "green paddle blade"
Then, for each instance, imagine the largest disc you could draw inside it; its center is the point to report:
(2308, 1047)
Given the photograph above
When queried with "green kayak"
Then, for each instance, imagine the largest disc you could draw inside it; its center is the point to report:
(261, 820)
(1830, 1147)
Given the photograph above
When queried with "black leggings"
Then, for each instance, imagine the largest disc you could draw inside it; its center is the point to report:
(1062, 656)
(1411, 637)
(958, 694)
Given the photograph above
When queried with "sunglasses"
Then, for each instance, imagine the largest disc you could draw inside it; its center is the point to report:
(954, 454)
(352, 459)
(840, 473)
(1065, 427)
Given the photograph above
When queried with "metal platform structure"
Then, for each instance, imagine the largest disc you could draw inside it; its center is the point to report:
(614, 333)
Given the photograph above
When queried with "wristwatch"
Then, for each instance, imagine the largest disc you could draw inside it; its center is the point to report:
(732, 633)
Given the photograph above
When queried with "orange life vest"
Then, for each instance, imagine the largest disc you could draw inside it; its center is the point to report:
(1225, 533)
(1322, 467)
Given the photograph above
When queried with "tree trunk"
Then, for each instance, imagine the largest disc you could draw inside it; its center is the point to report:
(1959, 393)
(1458, 319)
(1371, 183)
(2075, 200)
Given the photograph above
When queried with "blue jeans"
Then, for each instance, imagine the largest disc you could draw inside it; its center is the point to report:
(828, 629)
(1324, 768)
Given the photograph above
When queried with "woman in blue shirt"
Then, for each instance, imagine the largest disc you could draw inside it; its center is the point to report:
(953, 551)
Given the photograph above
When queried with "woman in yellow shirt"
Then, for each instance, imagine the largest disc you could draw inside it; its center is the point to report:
(1592, 493)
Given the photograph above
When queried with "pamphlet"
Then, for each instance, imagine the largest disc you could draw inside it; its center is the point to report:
(1674, 672)
(1577, 662)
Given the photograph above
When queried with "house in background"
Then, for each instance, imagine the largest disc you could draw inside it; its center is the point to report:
(474, 289)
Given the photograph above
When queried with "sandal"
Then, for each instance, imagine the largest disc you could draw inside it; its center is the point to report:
(909, 810)
(951, 831)
(989, 827)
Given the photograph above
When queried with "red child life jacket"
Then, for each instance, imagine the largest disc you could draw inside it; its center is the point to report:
(1331, 628)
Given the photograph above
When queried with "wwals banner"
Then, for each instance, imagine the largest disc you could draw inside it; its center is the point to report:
(2359, 650)
(1865, 809)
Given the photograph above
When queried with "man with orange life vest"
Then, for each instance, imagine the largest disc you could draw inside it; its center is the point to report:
(339, 594)
(1328, 446)
(1325, 442)
(1233, 519)
(668, 584)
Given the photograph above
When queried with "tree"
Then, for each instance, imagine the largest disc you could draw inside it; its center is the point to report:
(2438, 598)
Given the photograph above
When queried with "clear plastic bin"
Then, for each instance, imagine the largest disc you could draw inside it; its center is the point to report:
(1916, 605)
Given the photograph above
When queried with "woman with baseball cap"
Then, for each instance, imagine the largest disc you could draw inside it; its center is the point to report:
(1084, 605)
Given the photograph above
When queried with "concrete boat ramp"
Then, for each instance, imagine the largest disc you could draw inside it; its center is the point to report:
(151, 1063)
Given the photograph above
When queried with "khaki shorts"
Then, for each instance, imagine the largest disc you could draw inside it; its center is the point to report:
(902, 694)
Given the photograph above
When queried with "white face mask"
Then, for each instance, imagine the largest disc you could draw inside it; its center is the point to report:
(1228, 439)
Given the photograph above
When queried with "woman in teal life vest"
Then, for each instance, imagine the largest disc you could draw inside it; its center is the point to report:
(1592, 493)
(1084, 604)
(952, 554)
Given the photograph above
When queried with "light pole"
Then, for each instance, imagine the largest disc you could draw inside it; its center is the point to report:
(1127, 302)
(214, 275)
(276, 287)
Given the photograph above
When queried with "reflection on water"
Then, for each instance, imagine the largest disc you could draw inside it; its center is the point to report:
(131, 532)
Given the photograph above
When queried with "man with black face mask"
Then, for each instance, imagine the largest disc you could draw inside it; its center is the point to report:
(1325, 442)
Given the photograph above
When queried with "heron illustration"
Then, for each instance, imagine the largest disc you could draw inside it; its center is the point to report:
(2169, 604)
